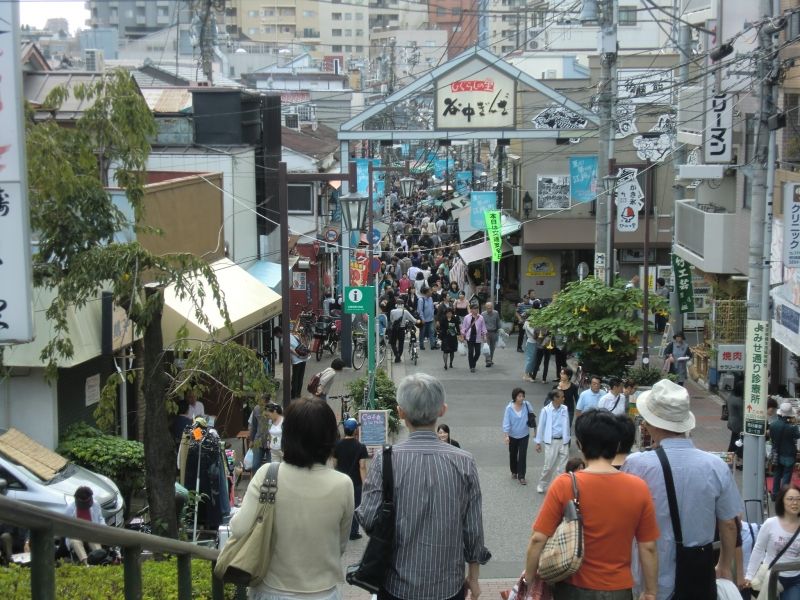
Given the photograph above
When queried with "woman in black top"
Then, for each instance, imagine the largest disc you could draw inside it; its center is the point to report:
(448, 334)
(570, 391)
(443, 431)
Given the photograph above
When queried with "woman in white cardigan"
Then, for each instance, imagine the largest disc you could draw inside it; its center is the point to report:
(313, 509)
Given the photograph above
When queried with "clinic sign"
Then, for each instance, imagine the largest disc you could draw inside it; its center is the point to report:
(475, 96)
(756, 375)
(791, 220)
(16, 314)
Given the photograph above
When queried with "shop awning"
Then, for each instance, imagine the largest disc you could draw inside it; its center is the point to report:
(508, 225)
(269, 273)
(481, 251)
(249, 303)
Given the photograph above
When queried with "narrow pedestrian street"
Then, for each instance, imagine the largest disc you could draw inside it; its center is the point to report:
(475, 405)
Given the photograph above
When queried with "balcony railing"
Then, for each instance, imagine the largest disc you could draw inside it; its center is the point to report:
(708, 232)
(44, 525)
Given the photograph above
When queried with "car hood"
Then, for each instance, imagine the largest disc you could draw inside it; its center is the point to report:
(75, 476)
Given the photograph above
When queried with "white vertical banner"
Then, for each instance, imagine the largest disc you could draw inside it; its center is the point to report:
(791, 225)
(718, 144)
(756, 376)
(16, 313)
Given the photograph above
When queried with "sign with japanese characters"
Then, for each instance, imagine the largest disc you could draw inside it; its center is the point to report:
(582, 178)
(552, 192)
(756, 376)
(600, 265)
(493, 233)
(16, 313)
(718, 146)
(463, 181)
(358, 268)
(730, 357)
(683, 284)
(645, 86)
(629, 198)
(475, 96)
(479, 203)
(791, 220)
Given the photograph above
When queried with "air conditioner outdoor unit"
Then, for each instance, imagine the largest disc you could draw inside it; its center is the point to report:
(533, 45)
(292, 121)
(94, 60)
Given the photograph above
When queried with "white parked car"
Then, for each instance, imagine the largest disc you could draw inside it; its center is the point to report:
(41, 477)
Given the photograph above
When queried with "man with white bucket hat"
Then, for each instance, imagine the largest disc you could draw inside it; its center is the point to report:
(705, 492)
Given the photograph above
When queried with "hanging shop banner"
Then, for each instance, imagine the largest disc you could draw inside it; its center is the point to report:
(475, 96)
(718, 146)
(582, 178)
(362, 181)
(479, 203)
(463, 182)
(552, 192)
(358, 268)
(627, 219)
(16, 312)
(791, 225)
(683, 284)
(756, 375)
(441, 166)
(628, 191)
(494, 234)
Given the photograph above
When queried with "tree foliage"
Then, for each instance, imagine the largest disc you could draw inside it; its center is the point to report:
(597, 323)
(75, 223)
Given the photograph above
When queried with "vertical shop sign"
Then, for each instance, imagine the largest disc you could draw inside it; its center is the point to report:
(493, 233)
(791, 220)
(683, 284)
(756, 377)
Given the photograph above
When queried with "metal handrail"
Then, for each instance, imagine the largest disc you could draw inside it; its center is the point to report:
(45, 526)
(772, 583)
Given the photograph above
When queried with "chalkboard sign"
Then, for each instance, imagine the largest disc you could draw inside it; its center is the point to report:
(374, 427)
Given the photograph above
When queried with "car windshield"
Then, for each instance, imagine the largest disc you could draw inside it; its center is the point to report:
(65, 473)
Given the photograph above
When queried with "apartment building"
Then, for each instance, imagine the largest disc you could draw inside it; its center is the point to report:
(137, 18)
(460, 19)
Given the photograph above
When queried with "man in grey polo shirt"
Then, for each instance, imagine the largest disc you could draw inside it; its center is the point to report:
(706, 492)
(437, 496)
(492, 319)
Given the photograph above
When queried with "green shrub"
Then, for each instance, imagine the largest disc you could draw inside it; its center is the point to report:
(647, 377)
(76, 582)
(385, 396)
(120, 460)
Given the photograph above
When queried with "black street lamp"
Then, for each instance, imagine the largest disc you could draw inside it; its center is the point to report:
(354, 210)
(527, 204)
(407, 186)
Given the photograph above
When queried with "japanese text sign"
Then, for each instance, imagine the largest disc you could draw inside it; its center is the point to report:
(629, 198)
(463, 181)
(493, 218)
(358, 268)
(756, 376)
(475, 96)
(719, 129)
(683, 284)
(791, 220)
(645, 86)
(16, 314)
(479, 203)
(730, 357)
(583, 178)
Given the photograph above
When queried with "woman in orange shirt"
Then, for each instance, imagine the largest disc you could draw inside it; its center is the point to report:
(616, 508)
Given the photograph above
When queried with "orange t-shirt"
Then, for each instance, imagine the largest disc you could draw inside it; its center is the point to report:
(616, 508)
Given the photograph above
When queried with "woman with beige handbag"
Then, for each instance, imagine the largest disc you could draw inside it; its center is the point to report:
(313, 510)
(582, 537)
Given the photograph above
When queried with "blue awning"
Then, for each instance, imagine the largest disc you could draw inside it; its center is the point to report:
(269, 273)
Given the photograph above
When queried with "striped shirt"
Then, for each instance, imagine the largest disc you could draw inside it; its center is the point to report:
(439, 522)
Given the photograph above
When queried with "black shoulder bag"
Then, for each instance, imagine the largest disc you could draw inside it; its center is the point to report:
(695, 575)
(370, 573)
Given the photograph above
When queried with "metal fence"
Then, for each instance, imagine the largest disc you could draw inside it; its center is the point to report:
(45, 526)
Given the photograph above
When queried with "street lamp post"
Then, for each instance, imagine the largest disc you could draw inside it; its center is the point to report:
(407, 186)
(353, 207)
(527, 204)
(609, 189)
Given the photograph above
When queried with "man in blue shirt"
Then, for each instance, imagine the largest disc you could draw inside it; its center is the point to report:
(589, 398)
(426, 311)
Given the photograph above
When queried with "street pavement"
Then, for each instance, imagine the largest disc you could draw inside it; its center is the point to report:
(476, 402)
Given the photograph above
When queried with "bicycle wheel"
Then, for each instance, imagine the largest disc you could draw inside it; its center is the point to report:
(320, 349)
(359, 355)
(381, 353)
(414, 353)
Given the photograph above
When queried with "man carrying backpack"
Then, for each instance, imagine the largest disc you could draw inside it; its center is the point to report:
(398, 318)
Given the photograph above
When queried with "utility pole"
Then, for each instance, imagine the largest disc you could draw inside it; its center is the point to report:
(678, 188)
(758, 314)
(607, 101)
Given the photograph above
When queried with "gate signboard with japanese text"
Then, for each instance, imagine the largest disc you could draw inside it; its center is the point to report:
(756, 375)
(474, 96)
(16, 313)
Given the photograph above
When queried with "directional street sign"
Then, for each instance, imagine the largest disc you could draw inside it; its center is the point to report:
(359, 300)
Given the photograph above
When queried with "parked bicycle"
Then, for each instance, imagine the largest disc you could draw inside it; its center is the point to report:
(361, 350)
(413, 348)
(329, 331)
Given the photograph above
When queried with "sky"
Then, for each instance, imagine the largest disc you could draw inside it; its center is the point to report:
(36, 13)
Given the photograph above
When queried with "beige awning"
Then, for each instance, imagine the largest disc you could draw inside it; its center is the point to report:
(249, 304)
(481, 251)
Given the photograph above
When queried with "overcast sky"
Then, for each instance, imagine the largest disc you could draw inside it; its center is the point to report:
(36, 13)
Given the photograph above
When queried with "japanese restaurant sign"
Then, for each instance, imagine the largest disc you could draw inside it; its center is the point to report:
(475, 96)
(493, 233)
(791, 220)
(756, 375)
(16, 314)
(683, 284)
(730, 357)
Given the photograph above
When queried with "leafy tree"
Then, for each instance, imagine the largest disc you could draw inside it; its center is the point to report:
(74, 221)
(597, 323)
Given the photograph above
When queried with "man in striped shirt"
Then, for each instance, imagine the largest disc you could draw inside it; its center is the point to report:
(437, 495)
